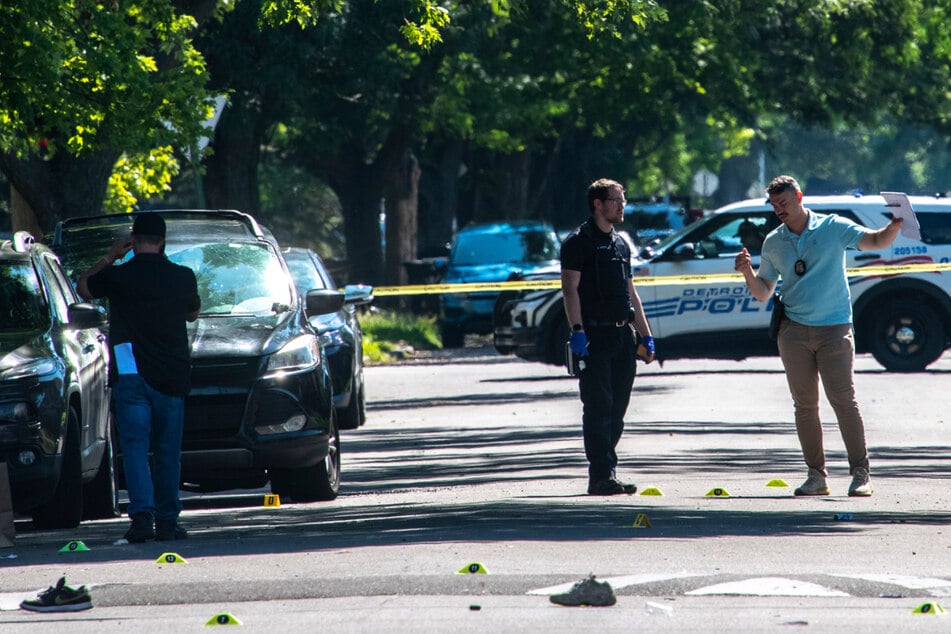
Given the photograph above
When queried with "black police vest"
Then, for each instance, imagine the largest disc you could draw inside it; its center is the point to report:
(604, 287)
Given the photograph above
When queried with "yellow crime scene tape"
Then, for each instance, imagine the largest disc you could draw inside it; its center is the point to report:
(666, 280)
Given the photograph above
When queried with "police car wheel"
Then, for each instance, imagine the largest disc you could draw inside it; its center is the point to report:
(907, 335)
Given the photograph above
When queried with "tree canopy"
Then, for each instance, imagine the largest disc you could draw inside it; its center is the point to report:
(509, 107)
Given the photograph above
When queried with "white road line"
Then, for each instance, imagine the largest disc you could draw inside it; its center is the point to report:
(768, 587)
(936, 587)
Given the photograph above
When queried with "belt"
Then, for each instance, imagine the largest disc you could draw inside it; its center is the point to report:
(595, 323)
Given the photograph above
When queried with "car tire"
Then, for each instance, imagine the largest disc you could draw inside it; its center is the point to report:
(907, 335)
(101, 494)
(452, 336)
(65, 508)
(314, 483)
(354, 415)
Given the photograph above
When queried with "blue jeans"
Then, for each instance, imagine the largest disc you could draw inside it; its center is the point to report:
(148, 419)
(605, 386)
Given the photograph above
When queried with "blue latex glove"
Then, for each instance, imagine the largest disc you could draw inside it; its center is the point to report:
(645, 351)
(579, 343)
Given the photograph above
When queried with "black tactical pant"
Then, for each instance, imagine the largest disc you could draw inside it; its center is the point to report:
(606, 383)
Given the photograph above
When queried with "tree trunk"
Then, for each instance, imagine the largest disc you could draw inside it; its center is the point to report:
(231, 172)
(22, 217)
(63, 186)
(360, 202)
(401, 193)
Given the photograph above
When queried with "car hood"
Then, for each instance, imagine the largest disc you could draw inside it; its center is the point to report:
(20, 348)
(244, 336)
(498, 272)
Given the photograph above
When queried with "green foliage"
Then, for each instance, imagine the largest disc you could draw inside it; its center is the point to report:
(385, 331)
(140, 177)
(300, 209)
(82, 75)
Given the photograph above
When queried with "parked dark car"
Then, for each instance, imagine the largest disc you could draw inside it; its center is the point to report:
(55, 426)
(339, 332)
(491, 252)
(260, 406)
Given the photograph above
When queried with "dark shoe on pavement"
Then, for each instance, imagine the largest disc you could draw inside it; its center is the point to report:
(169, 530)
(610, 486)
(587, 592)
(142, 529)
(60, 598)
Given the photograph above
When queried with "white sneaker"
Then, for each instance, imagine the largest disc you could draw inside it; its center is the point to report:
(861, 483)
(815, 484)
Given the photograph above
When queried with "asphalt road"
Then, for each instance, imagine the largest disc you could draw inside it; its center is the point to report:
(475, 458)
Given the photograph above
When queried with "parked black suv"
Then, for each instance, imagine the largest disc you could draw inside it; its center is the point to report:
(55, 431)
(260, 406)
(340, 334)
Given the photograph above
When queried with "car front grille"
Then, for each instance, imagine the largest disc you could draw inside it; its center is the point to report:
(213, 416)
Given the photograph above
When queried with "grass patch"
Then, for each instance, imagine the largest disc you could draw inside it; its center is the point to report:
(385, 332)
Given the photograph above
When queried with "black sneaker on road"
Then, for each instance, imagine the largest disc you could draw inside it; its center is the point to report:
(142, 529)
(60, 598)
(169, 530)
(611, 486)
(587, 592)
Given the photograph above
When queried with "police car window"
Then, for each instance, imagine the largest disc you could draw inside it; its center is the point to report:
(935, 227)
(845, 213)
(734, 232)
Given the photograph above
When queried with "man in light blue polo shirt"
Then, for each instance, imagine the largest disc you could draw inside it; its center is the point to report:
(815, 339)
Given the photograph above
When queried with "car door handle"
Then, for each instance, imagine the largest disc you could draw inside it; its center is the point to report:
(866, 256)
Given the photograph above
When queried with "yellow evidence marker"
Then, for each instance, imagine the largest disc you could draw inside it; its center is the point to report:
(170, 558)
(641, 521)
(74, 547)
(272, 500)
(475, 568)
(717, 492)
(223, 619)
(651, 491)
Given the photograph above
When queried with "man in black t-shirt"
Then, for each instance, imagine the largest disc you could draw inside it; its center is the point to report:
(604, 311)
(150, 298)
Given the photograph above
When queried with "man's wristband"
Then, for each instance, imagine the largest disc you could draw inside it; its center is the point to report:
(577, 327)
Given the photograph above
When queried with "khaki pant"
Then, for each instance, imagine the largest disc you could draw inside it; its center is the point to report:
(827, 352)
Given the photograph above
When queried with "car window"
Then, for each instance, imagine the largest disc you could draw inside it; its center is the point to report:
(22, 304)
(305, 274)
(727, 234)
(235, 278)
(493, 248)
(59, 299)
(935, 227)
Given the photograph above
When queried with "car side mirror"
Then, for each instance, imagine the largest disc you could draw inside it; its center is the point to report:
(357, 294)
(322, 301)
(685, 251)
(84, 315)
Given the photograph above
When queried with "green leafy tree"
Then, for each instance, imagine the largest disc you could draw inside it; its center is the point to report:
(85, 82)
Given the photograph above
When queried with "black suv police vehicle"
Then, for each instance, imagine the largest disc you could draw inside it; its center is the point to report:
(55, 432)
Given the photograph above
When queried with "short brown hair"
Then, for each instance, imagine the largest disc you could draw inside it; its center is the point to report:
(601, 189)
(782, 184)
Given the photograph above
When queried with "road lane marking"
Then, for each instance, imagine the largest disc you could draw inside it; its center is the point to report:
(768, 587)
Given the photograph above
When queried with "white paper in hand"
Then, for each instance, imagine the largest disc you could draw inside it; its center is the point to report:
(900, 207)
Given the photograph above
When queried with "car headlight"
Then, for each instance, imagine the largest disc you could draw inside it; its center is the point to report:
(31, 368)
(298, 354)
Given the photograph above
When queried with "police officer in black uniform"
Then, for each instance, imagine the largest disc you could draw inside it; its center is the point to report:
(604, 311)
